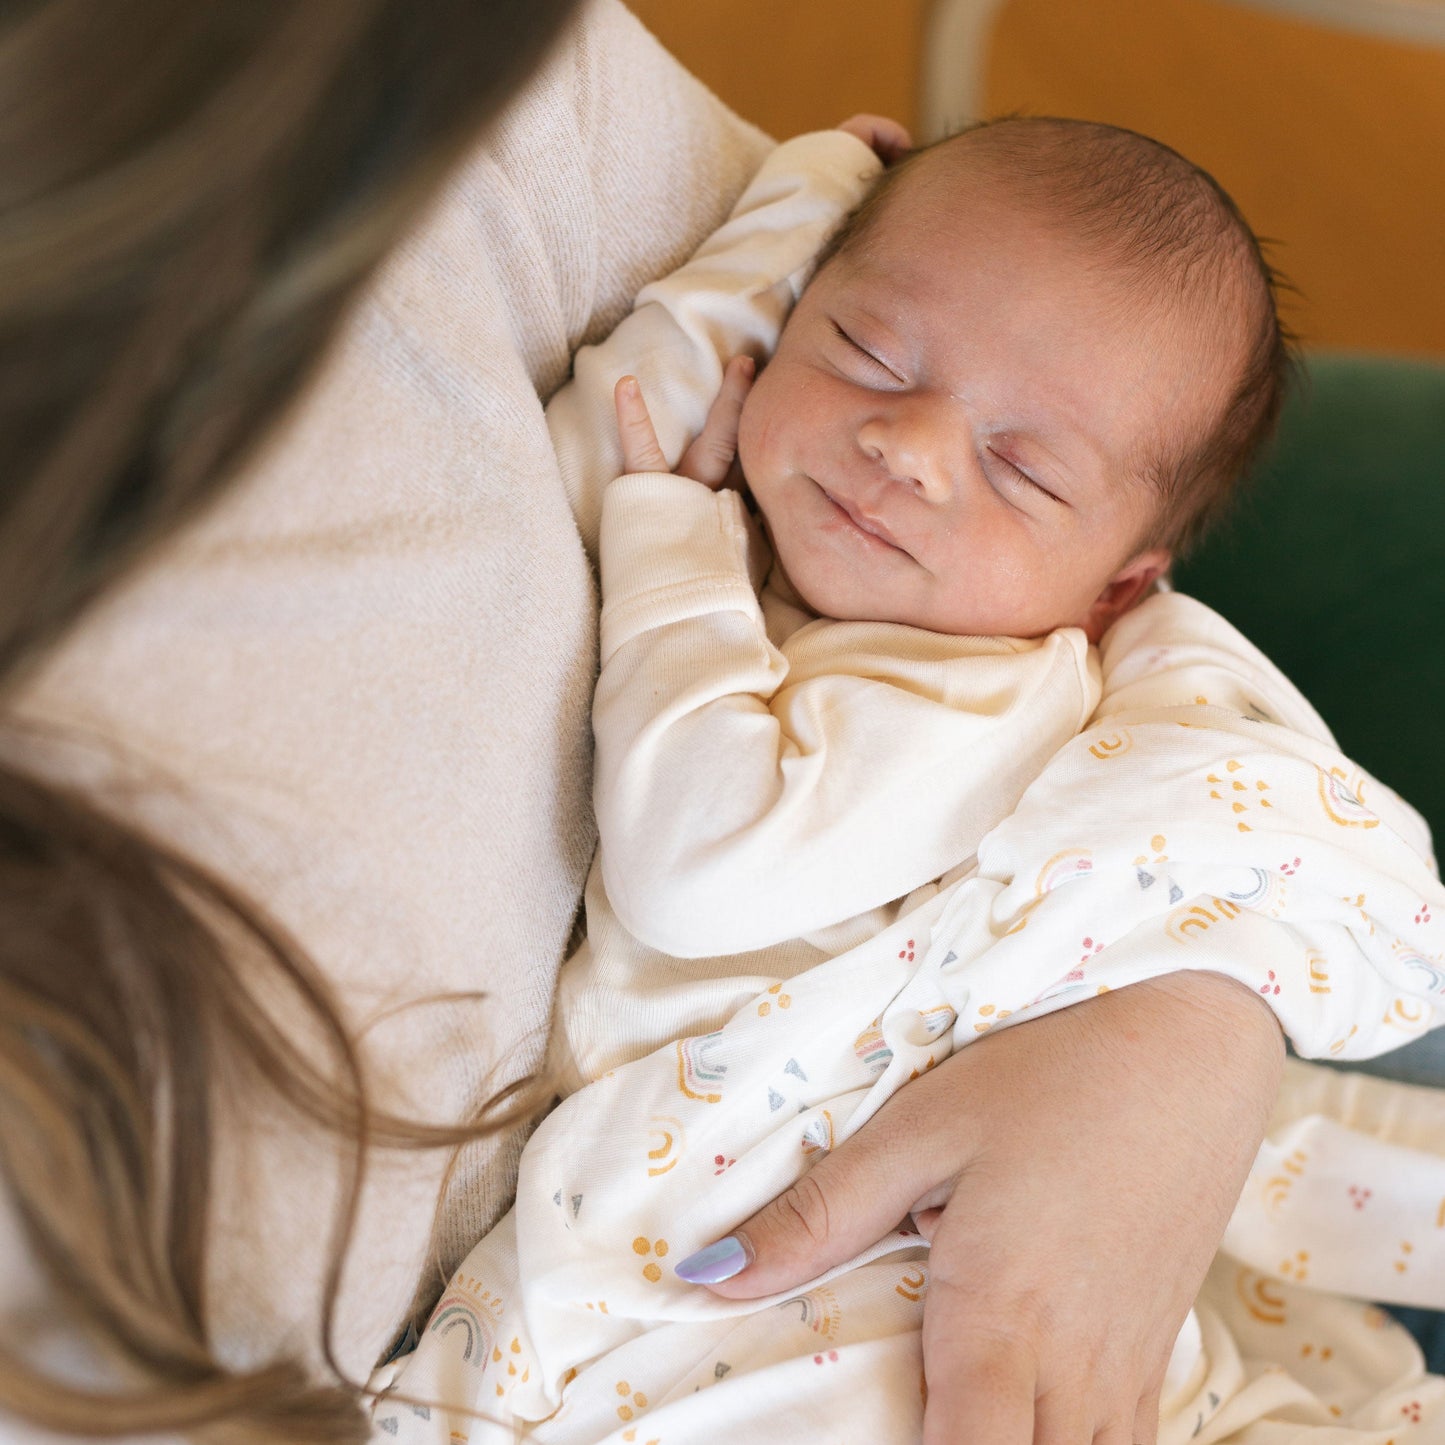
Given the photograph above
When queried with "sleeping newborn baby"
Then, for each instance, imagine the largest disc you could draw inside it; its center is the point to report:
(868, 785)
(1033, 364)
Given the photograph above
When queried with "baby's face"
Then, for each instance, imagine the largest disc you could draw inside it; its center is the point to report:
(952, 430)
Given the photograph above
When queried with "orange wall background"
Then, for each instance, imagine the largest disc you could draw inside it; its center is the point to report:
(796, 65)
(1332, 142)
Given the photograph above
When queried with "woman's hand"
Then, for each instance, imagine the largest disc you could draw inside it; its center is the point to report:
(712, 457)
(1075, 1174)
(889, 141)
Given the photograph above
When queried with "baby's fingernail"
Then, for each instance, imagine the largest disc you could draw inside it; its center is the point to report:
(717, 1262)
(747, 366)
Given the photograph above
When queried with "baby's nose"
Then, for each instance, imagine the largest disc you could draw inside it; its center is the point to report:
(907, 445)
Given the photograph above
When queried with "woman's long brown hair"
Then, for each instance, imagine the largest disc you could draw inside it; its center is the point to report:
(191, 193)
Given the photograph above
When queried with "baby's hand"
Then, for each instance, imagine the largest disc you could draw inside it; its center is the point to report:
(712, 457)
(889, 140)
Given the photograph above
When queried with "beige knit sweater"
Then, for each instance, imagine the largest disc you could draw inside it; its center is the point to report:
(360, 686)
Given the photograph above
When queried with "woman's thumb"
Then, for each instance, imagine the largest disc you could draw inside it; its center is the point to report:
(837, 1209)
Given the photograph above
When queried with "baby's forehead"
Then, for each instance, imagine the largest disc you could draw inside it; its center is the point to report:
(1134, 221)
(1137, 206)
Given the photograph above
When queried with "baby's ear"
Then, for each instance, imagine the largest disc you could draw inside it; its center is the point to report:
(1127, 586)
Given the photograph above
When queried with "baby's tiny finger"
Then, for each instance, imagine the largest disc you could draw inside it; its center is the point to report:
(889, 140)
(709, 459)
(893, 141)
(640, 449)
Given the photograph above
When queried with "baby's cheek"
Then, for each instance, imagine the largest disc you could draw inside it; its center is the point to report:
(790, 416)
(757, 441)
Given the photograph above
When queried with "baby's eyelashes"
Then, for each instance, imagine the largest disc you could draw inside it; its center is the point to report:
(1017, 476)
(860, 354)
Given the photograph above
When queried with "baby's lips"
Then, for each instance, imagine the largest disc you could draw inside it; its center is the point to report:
(860, 519)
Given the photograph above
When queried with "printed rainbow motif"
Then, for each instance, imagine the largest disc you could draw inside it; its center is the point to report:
(1265, 895)
(1343, 804)
(913, 1285)
(818, 1309)
(1111, 745)
(1071, 982)
(1261, 1297)
(1065, 867)
(696, 1070)
(671, 1144)
(818, 1134)
(1195, 919)
(936, 1019)
(457, 1312)
(1277, 1188)
(1409, 1014)
(873, 1053)
(1413, 958)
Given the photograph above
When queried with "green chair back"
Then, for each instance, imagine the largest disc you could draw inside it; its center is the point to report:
(1334, 564)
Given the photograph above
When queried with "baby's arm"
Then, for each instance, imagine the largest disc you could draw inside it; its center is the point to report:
(1205, 820)
(731, 298)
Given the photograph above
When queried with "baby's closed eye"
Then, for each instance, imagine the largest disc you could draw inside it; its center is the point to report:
(860, 354)
(1014, 475)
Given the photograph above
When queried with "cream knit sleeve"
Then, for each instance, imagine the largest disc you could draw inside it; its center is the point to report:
(731, 298)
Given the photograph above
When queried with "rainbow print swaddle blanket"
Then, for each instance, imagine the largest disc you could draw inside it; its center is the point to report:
(1162, 839)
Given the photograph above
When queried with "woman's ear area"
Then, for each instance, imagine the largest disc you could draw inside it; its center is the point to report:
(1126, 587)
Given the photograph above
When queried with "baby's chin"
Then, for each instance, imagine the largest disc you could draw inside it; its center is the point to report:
(783, 584)
(826, 602)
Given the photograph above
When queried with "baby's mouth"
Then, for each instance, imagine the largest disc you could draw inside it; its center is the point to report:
(869, 526)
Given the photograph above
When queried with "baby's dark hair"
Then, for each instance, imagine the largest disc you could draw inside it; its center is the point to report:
(1149, 209)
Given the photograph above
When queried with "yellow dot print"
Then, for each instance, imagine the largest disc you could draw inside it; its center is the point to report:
(765, 1006)
(631, 1398)
(651, 1271)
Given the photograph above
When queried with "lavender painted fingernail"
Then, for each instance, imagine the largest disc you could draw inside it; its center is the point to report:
(717, 1262)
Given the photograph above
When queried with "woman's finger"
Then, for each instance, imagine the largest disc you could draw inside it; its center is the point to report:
(1064, 1416)
(1146, 1415)
(640, 449)
(835, 1210)
(980, 1387)
(1121, 1432)
(709, 459)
